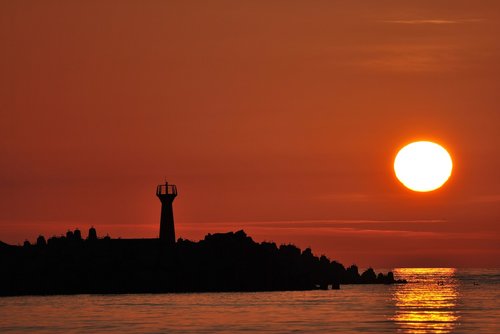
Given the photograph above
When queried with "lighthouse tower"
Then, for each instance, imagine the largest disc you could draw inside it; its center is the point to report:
(167, 193)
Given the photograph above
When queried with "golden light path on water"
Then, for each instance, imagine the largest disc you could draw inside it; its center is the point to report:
(429, 307)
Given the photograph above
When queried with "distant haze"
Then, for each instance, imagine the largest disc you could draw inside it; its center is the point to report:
(278, 117)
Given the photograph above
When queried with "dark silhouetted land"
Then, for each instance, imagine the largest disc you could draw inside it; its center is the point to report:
(220, 262)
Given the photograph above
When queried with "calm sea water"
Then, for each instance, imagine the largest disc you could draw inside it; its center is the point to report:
(436, 301)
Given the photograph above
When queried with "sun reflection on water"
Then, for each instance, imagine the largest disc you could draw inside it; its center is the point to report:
(428, 303)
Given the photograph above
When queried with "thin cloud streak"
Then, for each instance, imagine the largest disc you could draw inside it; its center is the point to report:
(296, 228)
(350, 197)
(433, 21)
(413, 58)
(316, 223)
(486, 199)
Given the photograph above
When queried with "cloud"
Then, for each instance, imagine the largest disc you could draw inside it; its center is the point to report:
(433, 21)
(486, 199)
(423, 51)
(412, 58)
(319, 223)
(338, 227)
(348, 197)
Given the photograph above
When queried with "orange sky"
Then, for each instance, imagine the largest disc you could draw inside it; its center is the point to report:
(278, 117)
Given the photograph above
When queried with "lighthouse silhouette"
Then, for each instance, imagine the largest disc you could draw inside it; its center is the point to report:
(167, 193)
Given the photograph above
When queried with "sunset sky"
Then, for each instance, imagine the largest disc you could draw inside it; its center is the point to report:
(281, 118)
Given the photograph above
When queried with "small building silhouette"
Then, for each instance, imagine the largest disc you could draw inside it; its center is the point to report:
(92, 234)
(167, 193)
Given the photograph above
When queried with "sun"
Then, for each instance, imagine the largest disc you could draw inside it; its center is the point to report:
(423, 166)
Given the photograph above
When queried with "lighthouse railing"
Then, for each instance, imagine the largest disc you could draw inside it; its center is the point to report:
(166, 189)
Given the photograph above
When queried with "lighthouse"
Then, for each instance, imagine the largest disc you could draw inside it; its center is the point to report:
(167, 193)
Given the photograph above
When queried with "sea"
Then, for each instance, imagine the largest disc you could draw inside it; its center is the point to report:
(436, 300)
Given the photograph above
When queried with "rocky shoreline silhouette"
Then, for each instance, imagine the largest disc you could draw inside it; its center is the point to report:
(218, 263)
